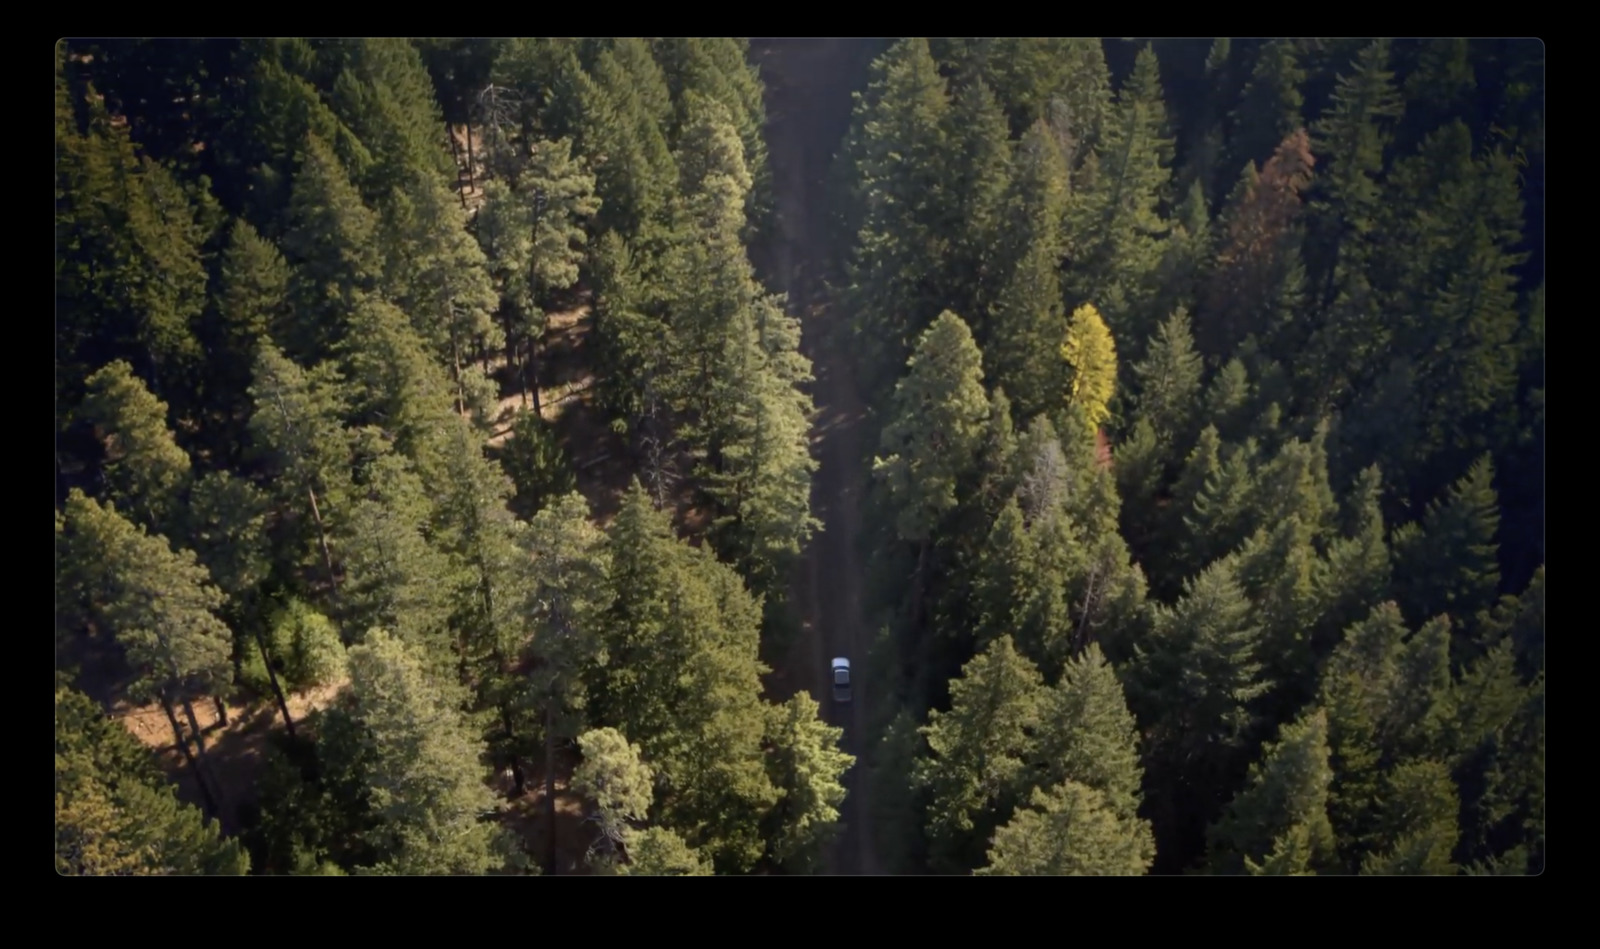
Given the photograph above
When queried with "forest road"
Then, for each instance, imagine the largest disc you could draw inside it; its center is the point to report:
(808, 101)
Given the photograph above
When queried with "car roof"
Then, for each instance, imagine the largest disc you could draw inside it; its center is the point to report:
(841, 663)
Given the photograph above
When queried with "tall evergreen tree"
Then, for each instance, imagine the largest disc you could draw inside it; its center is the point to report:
(978, 750)
(807, 766)
(420, 766)
(1091, 358)
(147, 472)
(894, 214)
(1288, 792)
(1115, 228)
(332, 244)
(1070, 831)
(932, 437)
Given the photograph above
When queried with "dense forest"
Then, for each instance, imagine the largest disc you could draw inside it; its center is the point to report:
(469, 453)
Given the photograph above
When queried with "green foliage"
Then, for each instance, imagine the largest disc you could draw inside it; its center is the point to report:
(158, 602)
(933, 434)
(1287, 794)
(1451, 565)
(536, 463)
(677, 671)
(894, 213)
(146, 470)
(978, 749)
(115, 813)
(1086, 734)
(1169, 379)
(420, 766)
(1114, 223)
(806, 765)
(331, 243)
(1070, 831)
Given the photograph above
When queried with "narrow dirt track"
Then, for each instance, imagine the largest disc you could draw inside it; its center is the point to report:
(808, 103)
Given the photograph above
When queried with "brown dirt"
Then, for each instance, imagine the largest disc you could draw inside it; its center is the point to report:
(808, 84)
(233, 750)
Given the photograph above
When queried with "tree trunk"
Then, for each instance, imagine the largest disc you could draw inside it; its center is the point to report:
(530, 369)
(455, 153)
(455, 364)
(222, 710)
(322, 535)
(472, 161)
(277, 687)
(194, 767)
(550, 784)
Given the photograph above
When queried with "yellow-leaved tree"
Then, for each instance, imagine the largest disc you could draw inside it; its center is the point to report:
(1091, 358)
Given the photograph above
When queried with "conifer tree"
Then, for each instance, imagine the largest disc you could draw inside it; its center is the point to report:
(697, 714)
(332, 243)
(807, 766)
(296, 424)
(1086, 734)
(420, 765)
(894, 215)
(978, 749)
(394, 578)
(1070, 831)
(1115, 227)
(1288, 788)
(933, 434)
(1091, 358)
(634, 171)
(1270, 108)
(1169, 380)
(1355, 576)
(1451, 563)
(160, 605)
(147, 472)
(564, 591)
(251, 300)
(116, 815)
(1416, 822)
(981, 170)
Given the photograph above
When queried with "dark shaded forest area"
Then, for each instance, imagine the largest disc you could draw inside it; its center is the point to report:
(469, 453)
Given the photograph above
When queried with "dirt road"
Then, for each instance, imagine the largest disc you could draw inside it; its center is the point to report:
(808, 83)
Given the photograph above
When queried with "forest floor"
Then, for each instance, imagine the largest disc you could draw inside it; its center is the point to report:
(808, 86)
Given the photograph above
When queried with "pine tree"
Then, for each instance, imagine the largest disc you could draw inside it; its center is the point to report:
(1452, 565)
(1287, 789)
(251, 300)
(421, 767)
(634, 171)
(978, 749)
(1114, 225)
(1416, 823)
(933, 434)
(981, 170)
(620, 784)
(438, 275)
(146, 470)
(332, 244)
(1355, 576)
(679, 673)
(1070, 831)
(807, 766)
(1091, 358)
(394, 578)
(1086, 734)
(296, 425)
(895, 212)
(160, 606)
(1270, 108)
(116, 815)
(1169, 380)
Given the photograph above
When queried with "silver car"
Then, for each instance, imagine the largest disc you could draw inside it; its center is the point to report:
(841, 680)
